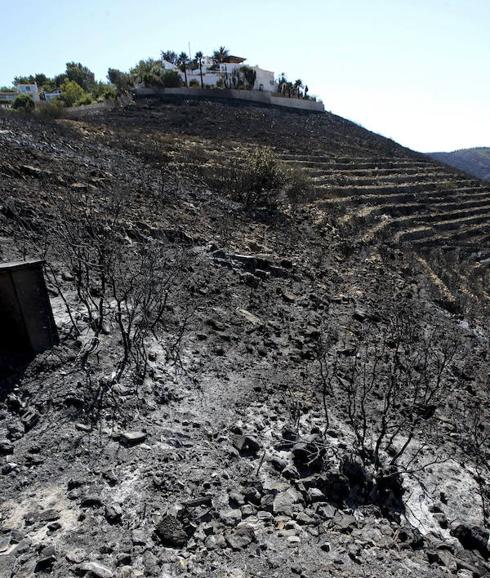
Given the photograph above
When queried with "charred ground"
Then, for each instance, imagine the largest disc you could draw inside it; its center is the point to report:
(245, 458)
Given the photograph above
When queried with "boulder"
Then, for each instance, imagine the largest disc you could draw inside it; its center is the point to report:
(284, 501)
(170, 532)
(241, 537)
(133, 438)
(473, 538)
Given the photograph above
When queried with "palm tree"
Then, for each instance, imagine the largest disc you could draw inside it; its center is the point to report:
(298, 84)
(199, 56)
(169, 56)
(221, 54)
(182, 62)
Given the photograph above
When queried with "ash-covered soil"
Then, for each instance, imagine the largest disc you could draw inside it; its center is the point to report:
(235, 453)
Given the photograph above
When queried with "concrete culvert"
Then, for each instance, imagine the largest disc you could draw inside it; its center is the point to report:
(27, 326)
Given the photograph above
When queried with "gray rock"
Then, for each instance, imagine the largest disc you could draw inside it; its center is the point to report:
(133, 438)
(6, 447)
(473, 538)
(325, 546)
(113, 513)
(214, 542)
(9, 467)
(46, 560)
(75, 556)
(241, 537)
(94, 568)
(247, 444)
(230, 517)
(315, 495)
(91, 501)
(171, 532)
(284, 501)
(139, 537)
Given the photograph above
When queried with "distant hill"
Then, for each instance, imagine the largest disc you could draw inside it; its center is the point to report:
(475, 161)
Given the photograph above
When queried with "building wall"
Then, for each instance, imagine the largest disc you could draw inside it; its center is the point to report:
(265, 79)
(29, 89)
(49, 96)
(8, 96)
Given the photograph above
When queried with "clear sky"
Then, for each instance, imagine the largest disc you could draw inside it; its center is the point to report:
(417, 71)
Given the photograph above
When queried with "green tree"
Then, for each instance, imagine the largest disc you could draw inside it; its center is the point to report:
(59, 79)
(221, 54)
(199, 56)
(48, 86)
(80, 74)
(149, 72)
(182, 63)
(103, 91)
(71, 92)
(171, 79)
(121, 80)
(23, 79)
(38, 79)
(23, 102)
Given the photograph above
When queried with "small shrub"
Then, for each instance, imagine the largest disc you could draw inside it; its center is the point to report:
(53, 109)
(23, 102)
(194, 83)
(171, 79)
(261, 178)
(85, 99)
(71, 92)
(298, 186)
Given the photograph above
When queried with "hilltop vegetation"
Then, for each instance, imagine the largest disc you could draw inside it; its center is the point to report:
(274, 349)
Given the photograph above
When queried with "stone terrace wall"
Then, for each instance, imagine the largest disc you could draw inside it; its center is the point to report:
(233, 94)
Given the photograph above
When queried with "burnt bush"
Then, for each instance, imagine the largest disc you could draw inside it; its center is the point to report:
(259, 179)
(388, 380)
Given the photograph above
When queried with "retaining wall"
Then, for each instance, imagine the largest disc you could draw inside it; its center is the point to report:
(259, 96)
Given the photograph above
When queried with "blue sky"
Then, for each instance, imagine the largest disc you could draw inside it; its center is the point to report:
(417, 71)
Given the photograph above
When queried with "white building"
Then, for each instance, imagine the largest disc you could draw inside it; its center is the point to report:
(230, 74)
(29, 89)
(49, 96)
(7, 98)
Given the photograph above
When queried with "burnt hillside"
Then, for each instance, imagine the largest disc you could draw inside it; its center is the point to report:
(240, 389)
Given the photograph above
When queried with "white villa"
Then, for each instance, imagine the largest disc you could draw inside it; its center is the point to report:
(30, 90)
(228, 74)
(7, 98)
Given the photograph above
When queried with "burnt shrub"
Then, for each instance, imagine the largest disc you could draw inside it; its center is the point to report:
(259, 179)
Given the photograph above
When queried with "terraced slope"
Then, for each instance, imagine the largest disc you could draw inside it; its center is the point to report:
(401, 200)
(370, 188)
(382, 190)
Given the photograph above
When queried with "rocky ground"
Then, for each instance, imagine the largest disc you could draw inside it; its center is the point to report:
(221, 461)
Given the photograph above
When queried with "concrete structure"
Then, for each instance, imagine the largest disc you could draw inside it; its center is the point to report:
(30, 90)
(7, 98)
(257, 96)
(27, 326)
(49, 96)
